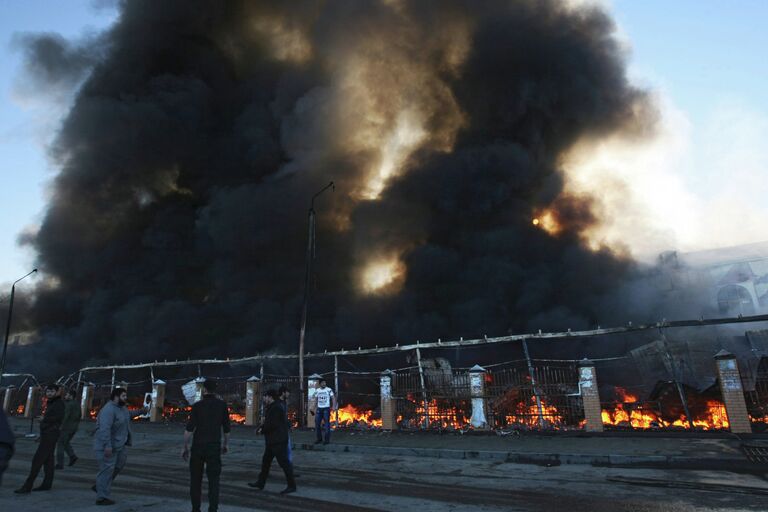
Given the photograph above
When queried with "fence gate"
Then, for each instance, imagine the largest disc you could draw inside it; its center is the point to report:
(548, 398)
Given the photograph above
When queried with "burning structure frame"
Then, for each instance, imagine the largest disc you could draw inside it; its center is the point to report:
(527, 393)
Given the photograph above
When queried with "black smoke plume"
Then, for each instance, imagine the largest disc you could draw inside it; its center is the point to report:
(177, 223)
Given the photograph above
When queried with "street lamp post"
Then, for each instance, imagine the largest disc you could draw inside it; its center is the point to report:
(8, 323)
(307, 279)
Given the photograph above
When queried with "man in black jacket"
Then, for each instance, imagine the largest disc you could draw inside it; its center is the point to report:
(275, 430)
(209, 417)
(49, 435)
(7, 442)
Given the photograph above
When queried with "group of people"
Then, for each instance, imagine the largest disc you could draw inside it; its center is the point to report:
(59, 425)
(203, 447)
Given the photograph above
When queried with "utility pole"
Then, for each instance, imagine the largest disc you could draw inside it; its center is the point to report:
(8, 323)
(307, 283)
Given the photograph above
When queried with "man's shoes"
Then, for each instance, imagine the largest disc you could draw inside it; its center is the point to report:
(72, 461)
(93, 488)
(23, 490)
(318, 441)
(256, 485)
(104, 501)
(288, 490)
(326, 442)
(41, 488)
(59, 466)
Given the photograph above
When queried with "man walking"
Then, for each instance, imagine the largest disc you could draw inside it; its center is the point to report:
(49, 434)
(69, 427)
(322, 402)
(275, 430)
(209, 417)
(113, 434)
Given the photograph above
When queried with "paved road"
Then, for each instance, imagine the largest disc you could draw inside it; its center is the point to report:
(156, 479)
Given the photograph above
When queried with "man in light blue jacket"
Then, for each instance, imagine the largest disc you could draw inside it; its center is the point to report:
(113, 434)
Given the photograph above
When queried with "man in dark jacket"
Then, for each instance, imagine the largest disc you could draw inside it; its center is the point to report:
(69, 426)
(209, 417)
(50, 428)
(275, 430)
(7, 442)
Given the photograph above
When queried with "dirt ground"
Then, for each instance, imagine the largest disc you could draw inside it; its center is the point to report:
(156, 478)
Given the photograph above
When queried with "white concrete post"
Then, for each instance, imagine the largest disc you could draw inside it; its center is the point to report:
(312, 382)
(387, 401)
(158, 401)
(86, 402)
(252, 401)
(590, 396)
(8, 399)
(477, 392)
(33, 396)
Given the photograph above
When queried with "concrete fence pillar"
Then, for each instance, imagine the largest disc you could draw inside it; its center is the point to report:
(590, 396)
(158, 401)
(733, 392)
(252, 401)
(8, 399)
(477, 392)
(312, 382)
(388, 406)
(33, 398)
(86, 402)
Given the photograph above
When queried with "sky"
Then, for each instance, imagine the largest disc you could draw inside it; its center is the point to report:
(702, 179)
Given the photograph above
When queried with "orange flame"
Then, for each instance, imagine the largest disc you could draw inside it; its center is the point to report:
(237, 418)
(528, 415)
(349, 415)
(714, 417)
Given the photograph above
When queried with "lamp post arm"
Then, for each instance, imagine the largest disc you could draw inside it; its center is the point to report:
(8, 323)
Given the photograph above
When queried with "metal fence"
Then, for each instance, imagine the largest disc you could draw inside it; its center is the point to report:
(647, 381)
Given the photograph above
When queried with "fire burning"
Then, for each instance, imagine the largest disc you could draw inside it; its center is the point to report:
(383, 276)
(351, 416)
(20, 409)
(527, 415)
(630, 412)
(547, 220)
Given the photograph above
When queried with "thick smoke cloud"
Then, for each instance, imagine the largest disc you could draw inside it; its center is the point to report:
(177, 224)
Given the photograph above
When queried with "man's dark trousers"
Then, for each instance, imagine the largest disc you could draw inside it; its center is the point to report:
(208, 456)
(44, 458)
(280, 452)
(323, 424)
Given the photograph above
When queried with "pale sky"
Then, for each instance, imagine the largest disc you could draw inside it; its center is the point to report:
(704, 59)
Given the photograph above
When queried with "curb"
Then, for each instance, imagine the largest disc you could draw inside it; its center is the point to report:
(551, 459)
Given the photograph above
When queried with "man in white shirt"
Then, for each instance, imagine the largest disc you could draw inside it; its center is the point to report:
(321, 408)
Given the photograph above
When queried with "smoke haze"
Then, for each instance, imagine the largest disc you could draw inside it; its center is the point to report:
(177, 223)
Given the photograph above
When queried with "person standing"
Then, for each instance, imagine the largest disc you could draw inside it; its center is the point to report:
(322, 402)
(275, 430)
(7, 444)
(50, 427)
(209, 417)
(69, 426)
(113, 434)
